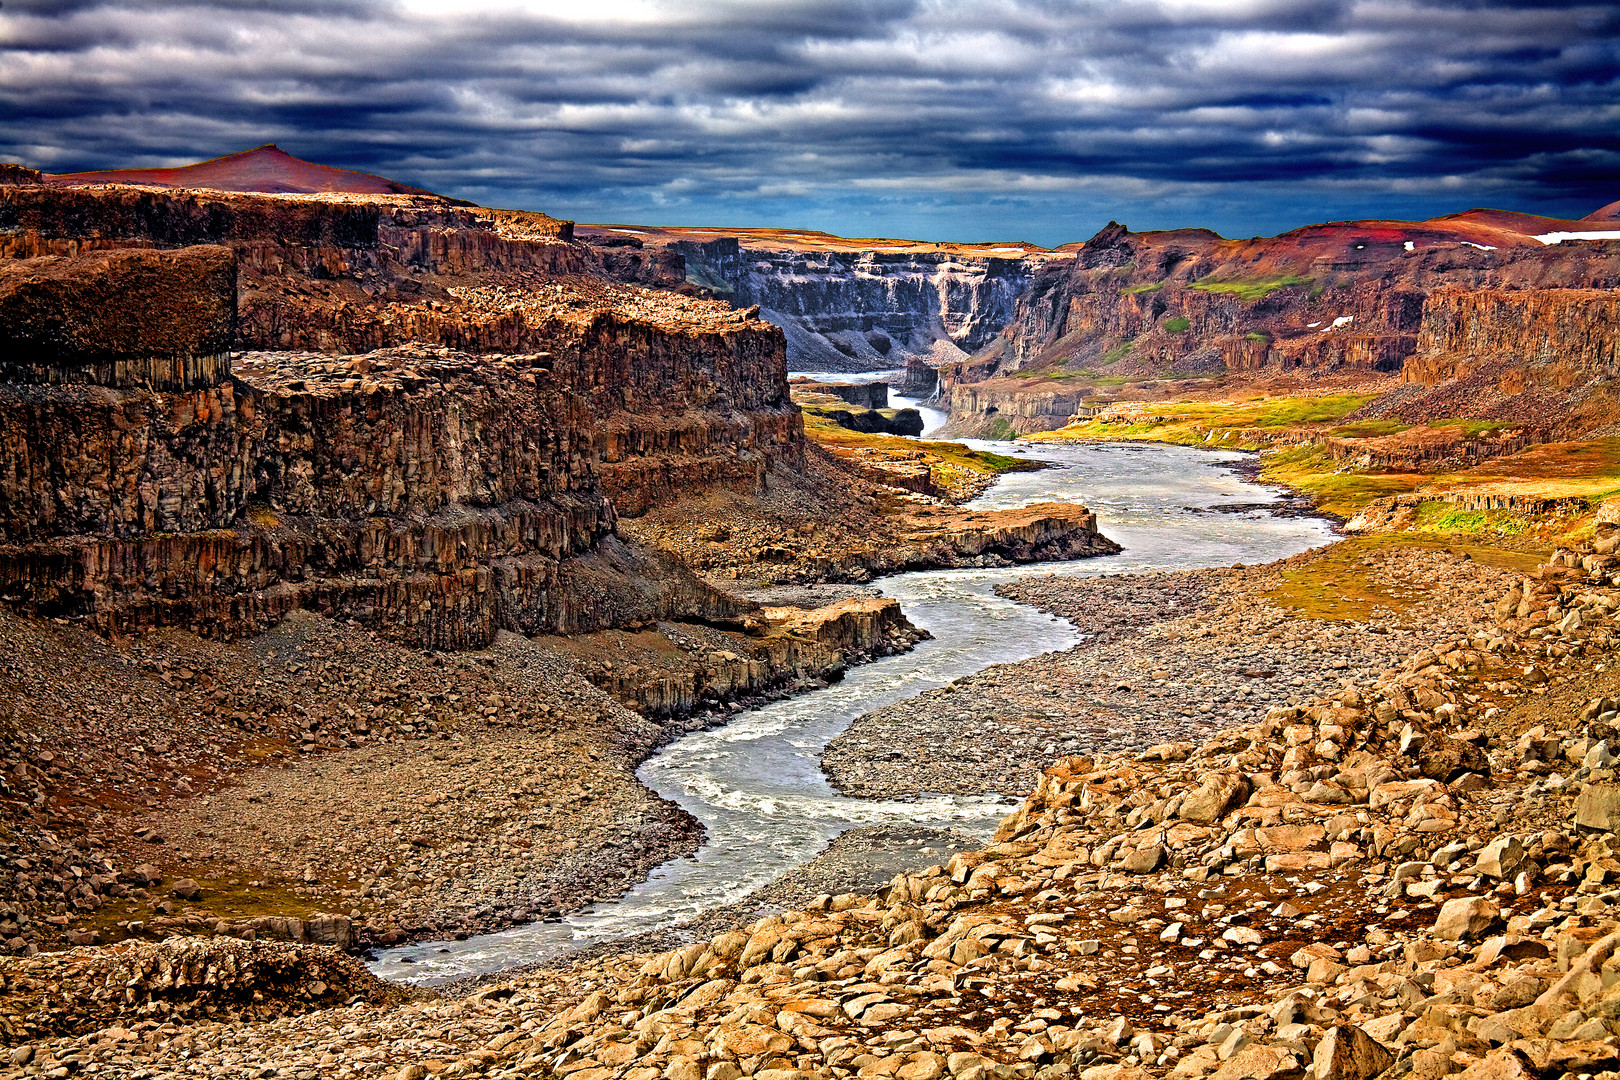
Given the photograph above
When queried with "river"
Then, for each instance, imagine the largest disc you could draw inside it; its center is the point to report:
(756, 783)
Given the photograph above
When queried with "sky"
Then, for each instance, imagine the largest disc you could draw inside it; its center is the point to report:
(961, 120)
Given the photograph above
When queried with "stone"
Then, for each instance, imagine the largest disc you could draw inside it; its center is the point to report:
(1501, 858)
(1211, 800)
(1597, 806)
(1144, 860)
(187, 889)
(1348, 1053)
(1466, 917)
(1259, 1062)
(1443, 757)
(1503, 1063)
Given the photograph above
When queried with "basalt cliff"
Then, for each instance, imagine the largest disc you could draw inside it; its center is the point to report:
(844, 304)
(1423, 303)
(435, 419)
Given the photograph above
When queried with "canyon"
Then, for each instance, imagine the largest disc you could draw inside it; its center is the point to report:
(847, 304)
(365, 554)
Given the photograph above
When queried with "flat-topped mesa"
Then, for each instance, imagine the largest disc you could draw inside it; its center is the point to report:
(160, 320)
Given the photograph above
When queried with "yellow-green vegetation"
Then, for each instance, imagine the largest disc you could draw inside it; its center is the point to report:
(1369, 429)
(1137, 290)
(1334, 487)
(949, 461)
(1570, 470)
(1344, 583)
(1250, 289)
(1118, 352)
(1439, 516)
(999, 429)
(1177, 324)
(1198, 423)
(1473, 429)
(1258, 336)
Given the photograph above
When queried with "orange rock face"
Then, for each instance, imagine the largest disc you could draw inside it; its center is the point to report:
(163, 319)
(457, 407)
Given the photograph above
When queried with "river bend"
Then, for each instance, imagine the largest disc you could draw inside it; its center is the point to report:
(756, 783)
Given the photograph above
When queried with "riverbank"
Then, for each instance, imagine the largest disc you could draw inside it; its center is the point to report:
(319, 784)
(1353, 451)
(1414, 871)
(1171, 657)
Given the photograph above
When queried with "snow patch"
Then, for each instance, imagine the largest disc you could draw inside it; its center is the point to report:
(1410, 246)
(1341, 321)
(1482, 247)
(1560, 237)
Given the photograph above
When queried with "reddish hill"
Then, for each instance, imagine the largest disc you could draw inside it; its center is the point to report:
(1608, 213)
(266, 169)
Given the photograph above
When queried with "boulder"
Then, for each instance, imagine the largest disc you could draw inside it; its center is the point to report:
(1259, 1062)
(1466, 917)
(1598, 807)
(1501, 858)
(1443, 757)
(1214, 797)
(1348, 1053)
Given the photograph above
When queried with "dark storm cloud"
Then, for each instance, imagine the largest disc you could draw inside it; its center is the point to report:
(932, 117)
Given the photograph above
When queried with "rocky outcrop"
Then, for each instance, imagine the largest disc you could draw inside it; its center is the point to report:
(872, 395)
(1550, 337)
(921, 380)
(799, 646)
(165, 320)
(851, 305)
(998, 409)
(1347, 297)
(57, 994)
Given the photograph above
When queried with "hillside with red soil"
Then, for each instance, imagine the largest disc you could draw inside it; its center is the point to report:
(1323, 302)
(265, 169)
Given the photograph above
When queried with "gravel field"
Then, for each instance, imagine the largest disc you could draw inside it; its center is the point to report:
(1170, 656)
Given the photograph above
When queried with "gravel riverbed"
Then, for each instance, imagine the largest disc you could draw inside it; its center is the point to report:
(1168, 656)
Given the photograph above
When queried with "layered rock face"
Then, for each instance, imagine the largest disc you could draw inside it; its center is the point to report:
(1341, 298)
(166, 320)
(1570, 335)
(437, 500)
(438, 495)
(849, 305)
(339, 273)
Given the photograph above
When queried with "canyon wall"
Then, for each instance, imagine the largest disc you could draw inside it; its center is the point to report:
(461, 477)
(846, 306)
(1327, 299)
(1567, 335)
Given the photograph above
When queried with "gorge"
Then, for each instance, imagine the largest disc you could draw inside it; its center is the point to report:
(399, 587)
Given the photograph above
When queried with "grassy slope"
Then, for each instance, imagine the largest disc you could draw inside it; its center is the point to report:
(951, 462)
(1588, 471)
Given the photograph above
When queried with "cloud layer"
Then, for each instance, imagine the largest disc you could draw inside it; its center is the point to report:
(945, 119)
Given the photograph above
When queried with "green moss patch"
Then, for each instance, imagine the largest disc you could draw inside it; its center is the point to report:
(1250, 289)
